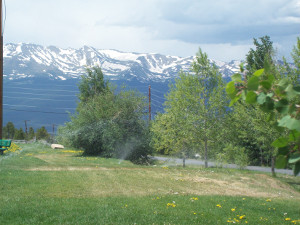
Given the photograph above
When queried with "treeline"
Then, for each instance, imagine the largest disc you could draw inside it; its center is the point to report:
(198, 117)
(11, 132)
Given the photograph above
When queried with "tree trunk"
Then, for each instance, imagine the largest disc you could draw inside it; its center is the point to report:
(273, 166)
(183, 161)
(261, 157)
(205, 154)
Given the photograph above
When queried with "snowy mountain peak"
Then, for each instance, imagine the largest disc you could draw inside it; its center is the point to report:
(29, 60)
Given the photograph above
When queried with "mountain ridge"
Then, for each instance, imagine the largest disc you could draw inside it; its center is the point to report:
(31, 60)
(40, 83)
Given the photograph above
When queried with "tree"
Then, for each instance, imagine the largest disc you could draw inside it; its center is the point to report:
(256, 58)
(92, 84)
(247, 127)
(19, 134)
(108, 124)
(256, 135)
(9, 130)
(42, 134)
(31, 133)
(296, 57)
(281, 100)
(195, 107)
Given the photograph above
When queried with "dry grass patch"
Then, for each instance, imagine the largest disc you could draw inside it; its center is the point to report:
(100, 181)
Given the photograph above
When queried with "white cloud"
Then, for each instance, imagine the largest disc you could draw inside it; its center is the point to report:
(224, 29)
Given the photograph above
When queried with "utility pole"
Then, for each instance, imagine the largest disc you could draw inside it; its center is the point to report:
(149, 103)
(53, 125)
(26, 132)
(26, 126)
(1, 71)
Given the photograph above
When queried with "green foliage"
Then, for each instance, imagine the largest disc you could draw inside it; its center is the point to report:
(19, 134)
(194, 111)
(9, 131)
(256, 58)
(92, 84)
(249, 127)
(108, 124)
(42, 134)
(31, 133)
(296, 57)
(233, 154)
(278, 97)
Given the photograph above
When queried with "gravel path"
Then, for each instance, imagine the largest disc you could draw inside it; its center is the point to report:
(176, 161)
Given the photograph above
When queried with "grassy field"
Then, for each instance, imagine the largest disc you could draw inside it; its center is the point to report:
(39, 185)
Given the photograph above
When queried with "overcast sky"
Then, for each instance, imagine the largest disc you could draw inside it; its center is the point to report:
(223, 28)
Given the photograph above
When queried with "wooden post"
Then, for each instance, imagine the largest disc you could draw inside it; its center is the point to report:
(1, 71)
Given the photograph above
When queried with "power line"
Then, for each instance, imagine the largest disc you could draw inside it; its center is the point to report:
(156, 101)
(29, 106)
(159, 96)
(35, 111)
(52, 90)
(158, 91)
(26, 93)
(44, 99)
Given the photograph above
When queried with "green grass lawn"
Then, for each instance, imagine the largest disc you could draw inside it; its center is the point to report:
(39, 185)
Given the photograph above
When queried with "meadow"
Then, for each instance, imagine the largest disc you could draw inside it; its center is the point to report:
(39, 185)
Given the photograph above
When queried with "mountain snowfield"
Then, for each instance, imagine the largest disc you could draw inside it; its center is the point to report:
(31, 60)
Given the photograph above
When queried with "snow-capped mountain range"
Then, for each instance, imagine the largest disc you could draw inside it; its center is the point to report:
(41, 83)
(32, 61)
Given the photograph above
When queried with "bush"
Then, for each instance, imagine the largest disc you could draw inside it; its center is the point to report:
(110, 125)
(233, 154)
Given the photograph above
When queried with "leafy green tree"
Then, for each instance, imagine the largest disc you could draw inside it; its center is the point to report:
(31, 133)
(296, 57)
(249, 128)
(256, 58)
(19, 134)
(109, 124)
(42, 134)
(9, 130)
(281, 100)
(195, 108)
(93, 83)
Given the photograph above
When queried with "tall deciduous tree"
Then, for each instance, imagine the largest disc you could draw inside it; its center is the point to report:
(195, 107)
(278, 98)
(263, 52)
(92, 84)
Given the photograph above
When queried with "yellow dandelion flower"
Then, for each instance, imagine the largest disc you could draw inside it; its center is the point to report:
(171, 205)
(268, 200)
(287, 219)
(242, 217)
(233, 209)
(219, 206)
